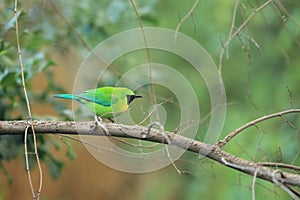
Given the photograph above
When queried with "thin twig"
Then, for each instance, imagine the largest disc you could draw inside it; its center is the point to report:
(29, 121)
(231, 36)
(226, 45)
(253, 184)
(70, 25)
(288, 122)
(152, 90)
(27, 162)
(281, 165)
(221, 143)
(287, 13)
(148, 116)
(142, 29)
(291, 96)
(232, 25)
(247, 49)
(82, 40)
(185, 18)
(100, 58)
(168, 141)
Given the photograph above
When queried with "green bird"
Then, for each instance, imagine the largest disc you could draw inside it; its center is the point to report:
(105, 102)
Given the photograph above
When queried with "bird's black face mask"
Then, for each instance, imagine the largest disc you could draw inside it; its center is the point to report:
(130, 98)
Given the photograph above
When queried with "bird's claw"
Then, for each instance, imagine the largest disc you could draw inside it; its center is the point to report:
(99, 122)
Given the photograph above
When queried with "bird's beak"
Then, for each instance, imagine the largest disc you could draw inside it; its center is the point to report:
(137, 96)
(130, 98)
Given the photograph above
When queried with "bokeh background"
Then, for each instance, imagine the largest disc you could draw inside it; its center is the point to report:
(261, 75)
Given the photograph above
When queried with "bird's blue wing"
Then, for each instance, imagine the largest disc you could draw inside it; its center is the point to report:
(99, 96)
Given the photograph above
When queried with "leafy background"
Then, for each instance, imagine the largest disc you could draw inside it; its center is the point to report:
(258, 81)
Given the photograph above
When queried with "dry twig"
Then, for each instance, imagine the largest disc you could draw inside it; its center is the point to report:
(185, 18)
(29, 121)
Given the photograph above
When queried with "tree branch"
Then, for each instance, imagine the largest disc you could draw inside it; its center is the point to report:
(231, 135)
(119, 130)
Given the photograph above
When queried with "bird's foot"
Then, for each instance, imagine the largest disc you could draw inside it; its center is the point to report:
(99, 122)
(111, 120)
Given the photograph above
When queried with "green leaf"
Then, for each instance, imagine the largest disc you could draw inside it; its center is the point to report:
(44, 65)
(70, 153)
(54, 166)
(7, 78)
(9, 146)
(3, 52)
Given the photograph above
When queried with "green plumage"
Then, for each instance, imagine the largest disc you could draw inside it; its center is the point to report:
(104, 101)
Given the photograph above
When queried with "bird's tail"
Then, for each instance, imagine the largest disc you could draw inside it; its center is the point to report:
(66, 96)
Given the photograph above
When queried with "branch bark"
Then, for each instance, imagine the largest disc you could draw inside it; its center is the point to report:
(138, 132)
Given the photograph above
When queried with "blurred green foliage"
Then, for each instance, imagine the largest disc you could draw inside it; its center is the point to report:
(36, 60)
(261, 76)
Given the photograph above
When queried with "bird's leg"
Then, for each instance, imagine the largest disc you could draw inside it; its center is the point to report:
(168, 141)
(145, 135)
(111, 120)
(99, 122)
